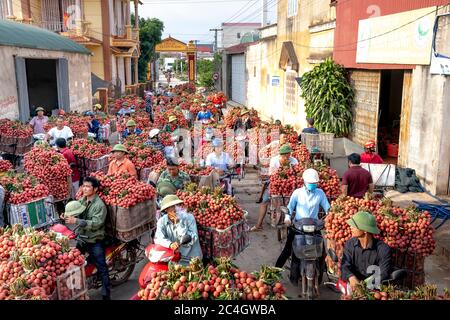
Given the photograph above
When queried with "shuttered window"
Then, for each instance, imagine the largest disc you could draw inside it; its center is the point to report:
(290, 91)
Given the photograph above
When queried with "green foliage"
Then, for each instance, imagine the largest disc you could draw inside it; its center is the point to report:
(328, 98)
(205, 72)
(180, 66)
(150, 33)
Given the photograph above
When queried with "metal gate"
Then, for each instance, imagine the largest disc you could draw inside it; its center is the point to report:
(238, 83)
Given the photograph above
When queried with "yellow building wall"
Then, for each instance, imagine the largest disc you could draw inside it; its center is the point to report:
(93, 14)
(295, 29)
(97, 61)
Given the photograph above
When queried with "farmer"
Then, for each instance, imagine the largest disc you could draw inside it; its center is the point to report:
(283, 159)
(221, 162)
(274, 147)
(154, 140)
(93, 124)
(244, 121)
(60, 131)
(174, 175)
(205, 115)
(306, 202)
(356, 181)
(38, 121)
(369, 155)
(309, 129)
(125, 109)
(149, 104)
(61, 144)
(131, 129)
(363, 250)
(173, 122)
(121, 164)
(90, 214)
(176, 224)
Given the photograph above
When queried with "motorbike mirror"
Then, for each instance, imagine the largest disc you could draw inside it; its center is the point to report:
(185, 239)
(332, 255)
(399, 274)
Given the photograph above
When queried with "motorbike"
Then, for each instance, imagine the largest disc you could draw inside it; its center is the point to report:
(340, 286)
(308, 255)
(121, 257)
(159, 258)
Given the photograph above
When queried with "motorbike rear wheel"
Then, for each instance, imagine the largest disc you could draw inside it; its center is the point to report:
(123, 265)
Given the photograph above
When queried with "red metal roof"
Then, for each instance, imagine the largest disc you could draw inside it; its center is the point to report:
(348, 14)
(243, 24)
(239, 48)
(204, 48)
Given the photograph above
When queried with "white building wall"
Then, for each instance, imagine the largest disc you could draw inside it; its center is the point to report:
(80, 87)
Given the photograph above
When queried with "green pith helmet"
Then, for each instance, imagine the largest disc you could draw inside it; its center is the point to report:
(364, 221)
(166, 188)
(244, 111)
(131, 123)
(169, 201)
(119, 147)
(178, 108)
(74, 209)
(285, 149)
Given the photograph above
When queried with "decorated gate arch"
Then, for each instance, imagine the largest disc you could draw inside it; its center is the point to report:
(173, 45)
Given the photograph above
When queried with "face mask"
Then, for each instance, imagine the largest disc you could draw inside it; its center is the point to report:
(311, 186)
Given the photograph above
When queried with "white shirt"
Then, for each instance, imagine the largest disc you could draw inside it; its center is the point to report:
(220, 162)
(275, 163)
(65, 133)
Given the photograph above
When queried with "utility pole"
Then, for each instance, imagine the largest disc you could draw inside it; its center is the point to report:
(215, 38)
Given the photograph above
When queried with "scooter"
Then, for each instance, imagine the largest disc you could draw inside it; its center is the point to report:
(121, 258)
(340, 286)
(160, 257)
(308, 254)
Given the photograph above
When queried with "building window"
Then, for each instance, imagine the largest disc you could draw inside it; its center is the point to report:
(292, 8)
(238, 35)
(289, 91)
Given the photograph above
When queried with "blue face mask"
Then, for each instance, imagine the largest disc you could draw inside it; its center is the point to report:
(311, 186)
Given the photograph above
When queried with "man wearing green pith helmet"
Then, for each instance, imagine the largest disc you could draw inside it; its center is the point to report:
(363, 252)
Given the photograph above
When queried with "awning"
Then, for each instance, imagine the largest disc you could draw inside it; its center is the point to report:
(98, 82)
(288, 56)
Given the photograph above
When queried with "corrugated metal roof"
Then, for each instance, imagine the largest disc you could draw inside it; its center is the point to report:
(25, 36)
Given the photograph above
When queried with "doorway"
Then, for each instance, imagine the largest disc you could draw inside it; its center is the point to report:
(389, 116)
(42, 85)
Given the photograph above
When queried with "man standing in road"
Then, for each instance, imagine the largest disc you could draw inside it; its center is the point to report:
(356, 181)
(61, 144)
(92, 228)
(38, 122)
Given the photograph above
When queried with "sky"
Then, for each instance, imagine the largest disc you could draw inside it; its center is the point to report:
(191, 19)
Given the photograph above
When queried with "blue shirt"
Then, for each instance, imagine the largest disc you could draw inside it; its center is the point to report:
(204, 115)
(167, 232)
(306, 203)
(126, 133)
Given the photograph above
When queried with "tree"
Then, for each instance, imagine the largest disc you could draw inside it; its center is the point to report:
(205, 71)
(150, 33)
(328, 98)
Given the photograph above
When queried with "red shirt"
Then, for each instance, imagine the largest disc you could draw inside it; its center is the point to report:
(217, 100)
(68, 154)
(371, 158)
(357, 180)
